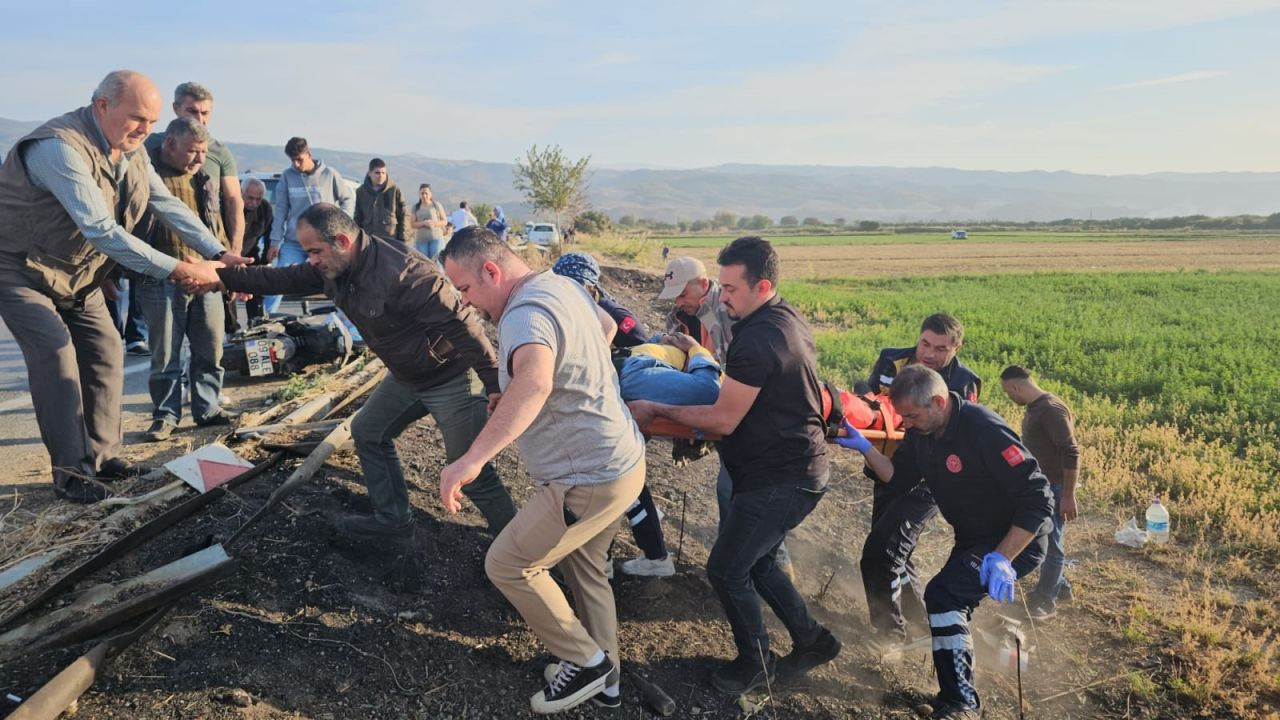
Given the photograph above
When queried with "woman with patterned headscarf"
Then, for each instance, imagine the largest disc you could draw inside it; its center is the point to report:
(583, 269)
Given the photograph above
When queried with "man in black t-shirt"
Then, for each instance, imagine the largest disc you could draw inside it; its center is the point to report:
(770, 414)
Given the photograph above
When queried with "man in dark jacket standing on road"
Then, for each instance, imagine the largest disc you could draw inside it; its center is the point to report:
(439, 359)
(380, 207)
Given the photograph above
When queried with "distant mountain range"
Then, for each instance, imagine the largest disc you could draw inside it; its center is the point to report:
(885, 194)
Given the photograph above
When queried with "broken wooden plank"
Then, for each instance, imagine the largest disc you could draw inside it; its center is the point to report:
(54, 697)
(334, 440)
(105, 606)
(138, 536)
(277, 427)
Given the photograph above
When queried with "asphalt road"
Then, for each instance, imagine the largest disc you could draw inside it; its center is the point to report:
(23, 458)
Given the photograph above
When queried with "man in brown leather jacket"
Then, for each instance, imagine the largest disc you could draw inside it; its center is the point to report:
(440, 360)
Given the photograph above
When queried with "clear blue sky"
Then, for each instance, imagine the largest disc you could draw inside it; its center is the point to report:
(1127, 86)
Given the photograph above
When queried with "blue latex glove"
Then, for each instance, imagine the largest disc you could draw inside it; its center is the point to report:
(854, 441)
(998, 575)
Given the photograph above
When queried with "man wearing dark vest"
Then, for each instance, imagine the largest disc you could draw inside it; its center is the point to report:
(193, 100)
(173, 313)
(71, 193)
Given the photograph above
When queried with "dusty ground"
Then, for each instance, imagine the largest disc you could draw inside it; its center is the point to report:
(836, 261)
(305, 627)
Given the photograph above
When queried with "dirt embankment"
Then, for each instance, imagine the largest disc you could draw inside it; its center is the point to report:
(308, 627)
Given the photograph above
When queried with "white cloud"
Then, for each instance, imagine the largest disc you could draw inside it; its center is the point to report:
(1172, 79)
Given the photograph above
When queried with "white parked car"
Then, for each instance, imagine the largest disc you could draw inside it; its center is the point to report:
(543, 236)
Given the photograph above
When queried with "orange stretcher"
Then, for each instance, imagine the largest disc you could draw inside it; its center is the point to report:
(872, 415)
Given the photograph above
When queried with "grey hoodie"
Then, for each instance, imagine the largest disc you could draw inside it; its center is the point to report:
(298, 191)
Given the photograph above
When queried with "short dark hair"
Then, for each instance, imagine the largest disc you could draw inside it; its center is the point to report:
(193, 90)
(328, 220)
(944, 324)
(462, 204)
(1015, 372)
(296, 146)
(183, 127)
(473, 243)
(376, 163)
(918, 384)
(424, 186)
(756, 255)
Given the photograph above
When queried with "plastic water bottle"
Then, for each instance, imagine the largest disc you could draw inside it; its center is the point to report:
(1158, 522)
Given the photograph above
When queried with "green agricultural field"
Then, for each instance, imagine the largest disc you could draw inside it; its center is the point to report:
(882, 238)
(1174, 380)
(1187, 356)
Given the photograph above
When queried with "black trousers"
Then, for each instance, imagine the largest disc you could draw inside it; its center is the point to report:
(951, 597)
(894, 591)
(743, 566)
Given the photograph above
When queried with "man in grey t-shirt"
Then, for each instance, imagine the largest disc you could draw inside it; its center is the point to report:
(562, 406)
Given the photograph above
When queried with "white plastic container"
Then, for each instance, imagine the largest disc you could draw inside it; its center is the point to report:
(1158, 522)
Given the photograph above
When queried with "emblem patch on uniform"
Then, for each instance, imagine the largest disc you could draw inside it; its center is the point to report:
(954, 464)
(1012, 455)
(627, 324)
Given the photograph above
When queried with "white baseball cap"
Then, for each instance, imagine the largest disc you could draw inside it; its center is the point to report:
(680, 272)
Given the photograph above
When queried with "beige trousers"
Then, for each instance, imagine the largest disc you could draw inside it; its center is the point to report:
(540, 538)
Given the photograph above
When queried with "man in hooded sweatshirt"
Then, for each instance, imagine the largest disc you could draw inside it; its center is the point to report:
(380, 206)
(304, 183)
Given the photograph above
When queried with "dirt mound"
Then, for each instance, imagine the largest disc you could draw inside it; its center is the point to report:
(308, 627)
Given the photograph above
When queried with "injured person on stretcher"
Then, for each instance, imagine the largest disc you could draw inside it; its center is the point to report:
(675, 371)
(678, 371)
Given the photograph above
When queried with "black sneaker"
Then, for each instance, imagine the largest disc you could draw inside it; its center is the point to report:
(744, 674)
(803, 659)
(137, 347)
(160, 430)
(81, 491)
(118, 469)
(572, 686)
(600, 699)
(367, 527)
(221, 417)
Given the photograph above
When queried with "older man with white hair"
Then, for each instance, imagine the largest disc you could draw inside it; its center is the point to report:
(71, 193)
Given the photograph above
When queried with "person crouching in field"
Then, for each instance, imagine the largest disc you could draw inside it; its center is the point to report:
(561, 405)
(992, 492)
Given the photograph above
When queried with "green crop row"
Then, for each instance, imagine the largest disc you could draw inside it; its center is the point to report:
(1173, 375)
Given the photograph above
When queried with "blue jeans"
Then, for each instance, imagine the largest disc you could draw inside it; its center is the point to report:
(743, 566)
(126, 313)
(1053, 580)
(644, 377)
(430, 248)
(291, 253)
(174, 315)
(724, 497)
